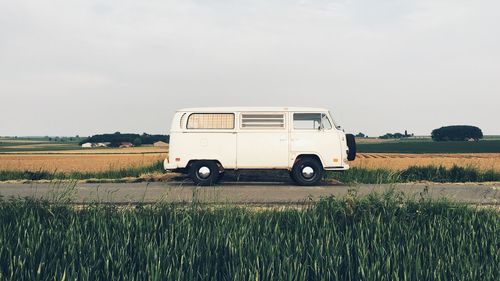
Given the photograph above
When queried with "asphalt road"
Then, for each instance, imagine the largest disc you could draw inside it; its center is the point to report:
(241, 192)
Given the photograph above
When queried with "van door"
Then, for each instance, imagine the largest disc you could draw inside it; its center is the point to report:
(313, 133)
(206, 136)
(262, 141)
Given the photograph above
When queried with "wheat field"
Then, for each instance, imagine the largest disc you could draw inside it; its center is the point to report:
(94, 160)
(482, 161)
(76, 162)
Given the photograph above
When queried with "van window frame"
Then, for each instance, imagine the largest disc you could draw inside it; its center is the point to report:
(332, 125)
(182, 121)
(210, 129)
(284, 114)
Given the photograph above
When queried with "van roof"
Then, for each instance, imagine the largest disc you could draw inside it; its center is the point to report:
(243, 109)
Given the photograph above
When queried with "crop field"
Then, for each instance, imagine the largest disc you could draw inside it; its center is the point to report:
(36, 144)
(108, 162)
(108, 159)
(374, 238)
(397, 161)
(427, 146)
(78, 162)
(27, 155)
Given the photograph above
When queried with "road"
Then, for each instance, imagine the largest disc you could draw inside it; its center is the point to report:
(241, 192)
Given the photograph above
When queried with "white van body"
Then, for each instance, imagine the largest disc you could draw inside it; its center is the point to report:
(256, 138)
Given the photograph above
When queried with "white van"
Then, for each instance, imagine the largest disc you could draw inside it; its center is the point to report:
(206, 141)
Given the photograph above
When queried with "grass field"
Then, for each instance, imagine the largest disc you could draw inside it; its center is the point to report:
(155, 172)
(375, 238)
(491, 144)
(9, 145)
(483, 146)
(107, 159)
(104, 162)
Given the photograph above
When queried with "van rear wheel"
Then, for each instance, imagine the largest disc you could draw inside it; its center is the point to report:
(307, 171)
(204, 172)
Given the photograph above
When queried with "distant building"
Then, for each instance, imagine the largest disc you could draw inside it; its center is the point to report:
(160, 144)
(88, 145)
(126, 144)
(102, 144)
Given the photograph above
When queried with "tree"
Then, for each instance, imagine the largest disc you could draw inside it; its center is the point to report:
(392, 136)
(137, 142)
(361, 135)
(457, 133)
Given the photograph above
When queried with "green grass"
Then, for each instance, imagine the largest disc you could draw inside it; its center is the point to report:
(492, 137)
(484, 146)
(40, 149)
(414, 174)
(353, 175)
(375, 238)
(7, 143)
(23, 144)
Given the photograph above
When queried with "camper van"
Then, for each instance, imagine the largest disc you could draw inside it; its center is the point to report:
(204, 142)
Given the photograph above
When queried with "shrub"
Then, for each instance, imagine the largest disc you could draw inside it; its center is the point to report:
(457, 133)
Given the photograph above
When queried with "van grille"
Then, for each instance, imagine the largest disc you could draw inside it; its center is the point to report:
(262, 121)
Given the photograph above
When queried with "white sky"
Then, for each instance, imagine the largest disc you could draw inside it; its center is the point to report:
(86, 67)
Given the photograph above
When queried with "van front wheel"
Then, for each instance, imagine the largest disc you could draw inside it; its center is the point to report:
(204, 172)
(307, 171)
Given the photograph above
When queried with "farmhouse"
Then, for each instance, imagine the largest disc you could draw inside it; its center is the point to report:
(160, 144)
(126, 144)
(102, 144)
(88, 145)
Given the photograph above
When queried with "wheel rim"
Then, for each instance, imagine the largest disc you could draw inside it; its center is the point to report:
(203, 172)
(308, 172)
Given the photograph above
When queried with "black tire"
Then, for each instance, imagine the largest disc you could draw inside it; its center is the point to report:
(195, 172)
(351, 144)
(298, 174)
(293, 177)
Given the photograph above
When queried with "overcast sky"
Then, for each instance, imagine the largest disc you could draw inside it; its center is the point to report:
(86, 67)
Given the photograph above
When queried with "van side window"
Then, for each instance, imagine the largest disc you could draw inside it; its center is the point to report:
(211, 121)
(307, 121)
(262, 121)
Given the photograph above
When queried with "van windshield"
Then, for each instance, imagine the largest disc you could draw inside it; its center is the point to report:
(325, 122)
(335, 124)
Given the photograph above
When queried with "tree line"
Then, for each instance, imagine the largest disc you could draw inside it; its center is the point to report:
(117, 138)
(446, 133)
